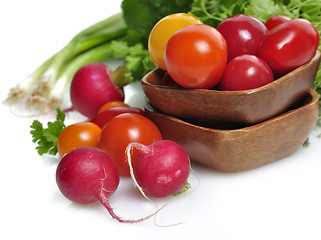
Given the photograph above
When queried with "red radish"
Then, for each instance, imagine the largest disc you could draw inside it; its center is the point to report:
(102, 118)
(91, 87)
(161, 169)
(88, 174)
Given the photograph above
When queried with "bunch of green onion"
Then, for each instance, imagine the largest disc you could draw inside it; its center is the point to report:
(46, 87)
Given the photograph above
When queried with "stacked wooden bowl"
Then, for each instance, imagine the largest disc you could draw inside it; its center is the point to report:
(236, 130)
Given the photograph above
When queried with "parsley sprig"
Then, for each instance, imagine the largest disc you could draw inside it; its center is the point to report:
(46, 138)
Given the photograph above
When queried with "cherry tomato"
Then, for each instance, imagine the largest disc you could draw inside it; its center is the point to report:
(243, 34)
(196, 56)
(289, 46)
(163, 30)
(112, 104)
(82, 134)
(275, 21)
(102, 118)
(124, 129)
(246, 72)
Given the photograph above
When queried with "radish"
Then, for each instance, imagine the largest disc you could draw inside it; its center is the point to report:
(88, 174)
(91, 87)
(161, 168)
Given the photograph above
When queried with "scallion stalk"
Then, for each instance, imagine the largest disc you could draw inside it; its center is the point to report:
(35, 94)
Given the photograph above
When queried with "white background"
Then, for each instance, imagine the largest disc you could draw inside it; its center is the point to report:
(279, 201)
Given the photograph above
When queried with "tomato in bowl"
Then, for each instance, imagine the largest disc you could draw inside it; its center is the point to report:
(243, 107)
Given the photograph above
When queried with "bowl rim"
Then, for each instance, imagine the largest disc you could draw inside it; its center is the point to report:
(273, 84)
(312, 93)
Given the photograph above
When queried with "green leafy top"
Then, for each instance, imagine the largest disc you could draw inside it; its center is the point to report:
(214, 11)
(137, 59)
(141, 16)
(46, 138)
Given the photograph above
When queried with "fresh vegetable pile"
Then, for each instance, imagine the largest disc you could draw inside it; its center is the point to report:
(97, 152)
(204, 46)
(125, 36)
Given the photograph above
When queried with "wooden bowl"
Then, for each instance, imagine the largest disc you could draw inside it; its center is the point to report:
(245, 107)
(239, 149)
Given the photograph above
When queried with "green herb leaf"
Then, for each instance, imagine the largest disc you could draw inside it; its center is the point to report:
(212, 12)
(306, 143)
(46, 138)
(37, 130)
(141, 16)
(137, 59)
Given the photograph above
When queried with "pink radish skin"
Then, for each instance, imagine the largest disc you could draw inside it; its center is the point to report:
(162, 168)
(92, 87)
(88, 174)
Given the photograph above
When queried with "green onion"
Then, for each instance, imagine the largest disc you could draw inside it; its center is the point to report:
(41, 91)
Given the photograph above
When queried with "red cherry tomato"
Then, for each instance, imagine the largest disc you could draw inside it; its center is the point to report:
(102, 118)
(124, 129)
(275, 21)
(195, 56)
(82, 134)
(289, 46)
(243, 34)
(246, 72)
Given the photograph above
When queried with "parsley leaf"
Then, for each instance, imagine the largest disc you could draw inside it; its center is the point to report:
(46, 138)
(212, 12)
(137, 61)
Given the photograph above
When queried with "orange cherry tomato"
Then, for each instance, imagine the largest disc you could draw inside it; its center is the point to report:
(82, 134)
(111, 104)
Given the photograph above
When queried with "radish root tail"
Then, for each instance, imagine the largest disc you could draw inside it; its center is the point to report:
(104, 201)
(131, 170)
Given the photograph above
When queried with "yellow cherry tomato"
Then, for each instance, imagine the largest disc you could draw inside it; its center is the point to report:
(162, 32)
